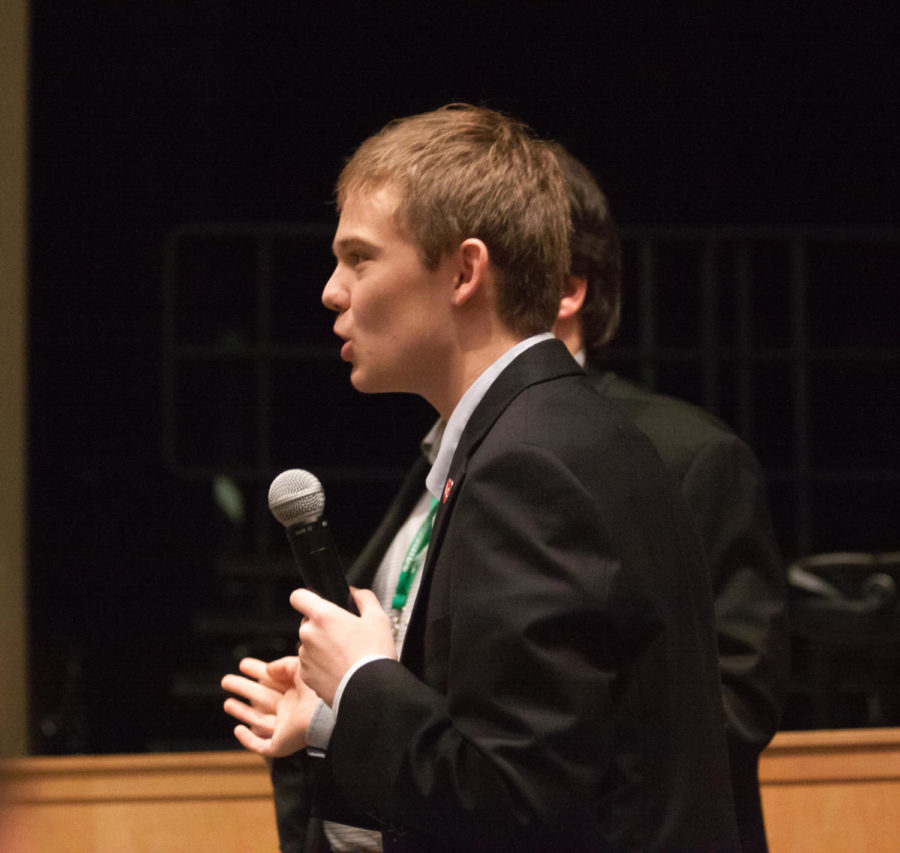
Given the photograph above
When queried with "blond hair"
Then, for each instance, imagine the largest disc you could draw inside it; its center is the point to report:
(464, 171)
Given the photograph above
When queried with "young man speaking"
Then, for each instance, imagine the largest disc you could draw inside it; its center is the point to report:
(558, 686)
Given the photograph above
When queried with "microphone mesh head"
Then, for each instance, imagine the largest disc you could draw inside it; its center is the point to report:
(296, 497)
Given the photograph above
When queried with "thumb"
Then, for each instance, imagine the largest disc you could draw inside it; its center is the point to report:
(366, 601)
(375, 623)
(283, 669)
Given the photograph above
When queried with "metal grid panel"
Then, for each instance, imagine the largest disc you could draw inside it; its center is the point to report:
(736, 319)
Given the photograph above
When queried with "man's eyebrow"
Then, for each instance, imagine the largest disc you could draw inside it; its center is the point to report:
(346, 244)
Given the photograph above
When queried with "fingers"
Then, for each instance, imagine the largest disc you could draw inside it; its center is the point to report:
(262, 724)
(264, 698)
(372, 614)
(273, 723)
(252, 742)
(319, 616)
(308, 603)
(312, 605)
(256, 669)
(283, 670)
(366, 601)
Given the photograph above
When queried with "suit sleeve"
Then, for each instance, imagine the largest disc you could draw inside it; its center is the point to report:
(292, 778)
(725, 491)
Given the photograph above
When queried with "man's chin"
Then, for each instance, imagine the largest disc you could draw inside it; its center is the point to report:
(362, 382)
(366, 383)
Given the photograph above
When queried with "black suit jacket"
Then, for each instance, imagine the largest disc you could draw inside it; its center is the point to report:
(724, 489)
(559, 683)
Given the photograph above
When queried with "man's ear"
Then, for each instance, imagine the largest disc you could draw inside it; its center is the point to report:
(574, 290)
(472, 269)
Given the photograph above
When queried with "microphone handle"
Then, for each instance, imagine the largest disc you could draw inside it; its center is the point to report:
(319, 563)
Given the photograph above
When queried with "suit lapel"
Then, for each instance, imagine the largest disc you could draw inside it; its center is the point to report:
(542, 362)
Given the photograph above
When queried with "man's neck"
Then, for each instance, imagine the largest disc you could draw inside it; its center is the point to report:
(469, 365)
(568, 330)
(466, 405)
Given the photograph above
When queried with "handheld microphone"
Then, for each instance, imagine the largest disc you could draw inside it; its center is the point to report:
(297, 500)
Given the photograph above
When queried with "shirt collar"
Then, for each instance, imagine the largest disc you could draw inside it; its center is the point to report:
(432, 441)
(460, 417)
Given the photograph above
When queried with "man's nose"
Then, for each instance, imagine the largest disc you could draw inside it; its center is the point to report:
(334, 296)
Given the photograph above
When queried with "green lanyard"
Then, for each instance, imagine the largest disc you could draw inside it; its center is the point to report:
(412, 562)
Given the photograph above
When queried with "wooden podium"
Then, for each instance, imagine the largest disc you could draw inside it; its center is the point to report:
(822, 791)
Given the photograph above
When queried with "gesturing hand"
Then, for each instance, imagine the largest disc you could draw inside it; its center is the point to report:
(333, 639)
(274, 724)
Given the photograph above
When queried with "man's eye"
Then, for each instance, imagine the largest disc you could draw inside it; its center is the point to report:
(356, 258)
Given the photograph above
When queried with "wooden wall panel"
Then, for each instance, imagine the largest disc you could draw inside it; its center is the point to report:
(139, 803)
(822, 791)
(828, 791)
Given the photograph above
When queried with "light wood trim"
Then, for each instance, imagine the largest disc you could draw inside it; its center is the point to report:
(128, 778)
(828, 791)
(218, 801)
(848, 755)
(822, 791)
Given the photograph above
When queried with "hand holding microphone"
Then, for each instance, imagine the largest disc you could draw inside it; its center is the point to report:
(331, 642)
(277, 705)
(297, 500)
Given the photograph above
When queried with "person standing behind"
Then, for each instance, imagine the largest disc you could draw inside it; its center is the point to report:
(558, 684)
(722, 484)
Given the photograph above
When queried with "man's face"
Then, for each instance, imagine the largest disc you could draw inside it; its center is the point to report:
(393, 313)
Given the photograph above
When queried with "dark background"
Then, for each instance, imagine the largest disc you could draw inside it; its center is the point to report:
(147, 115)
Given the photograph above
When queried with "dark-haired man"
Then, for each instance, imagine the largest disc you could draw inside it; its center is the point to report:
(723, 487)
